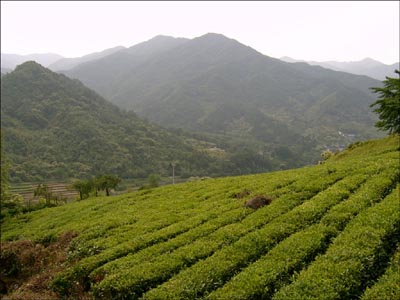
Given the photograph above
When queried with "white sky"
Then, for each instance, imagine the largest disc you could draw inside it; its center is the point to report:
(320, 31)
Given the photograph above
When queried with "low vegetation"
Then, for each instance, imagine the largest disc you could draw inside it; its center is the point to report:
(330, 231)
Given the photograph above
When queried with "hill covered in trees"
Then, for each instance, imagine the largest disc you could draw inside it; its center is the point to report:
(69, 63)
(330, 232)
(56, 128)
(215, 85)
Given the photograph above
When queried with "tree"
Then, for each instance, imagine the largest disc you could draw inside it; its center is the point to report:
(43, 190)
(152, 180)
(108, 182)
(96, 183)
(84, 187)
(388, 105)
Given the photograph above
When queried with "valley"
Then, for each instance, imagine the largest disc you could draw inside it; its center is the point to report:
(198, 168)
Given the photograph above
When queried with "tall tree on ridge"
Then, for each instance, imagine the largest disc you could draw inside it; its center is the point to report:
(388, 104)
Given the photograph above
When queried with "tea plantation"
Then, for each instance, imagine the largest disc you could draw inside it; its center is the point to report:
(332, 231)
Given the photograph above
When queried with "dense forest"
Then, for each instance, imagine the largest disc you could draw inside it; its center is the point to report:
(54, 127)
(216, 85)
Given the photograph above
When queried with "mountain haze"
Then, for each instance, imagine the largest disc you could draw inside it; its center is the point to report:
(69, 63)
(203, 85)
(56, 128)
(367, 66)
(10, 61)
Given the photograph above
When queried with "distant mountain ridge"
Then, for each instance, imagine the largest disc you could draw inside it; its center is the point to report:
(56, 128)
(69, 63)
(261, 113)
(10, 61)
(53, 61)
(204, 83)
(367, 66)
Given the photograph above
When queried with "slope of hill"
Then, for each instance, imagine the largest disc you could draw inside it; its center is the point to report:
(330, 232)
(56, 128)
(102, 74)
(69, 63)
(10, 61)
(367, 66)
(196, 84)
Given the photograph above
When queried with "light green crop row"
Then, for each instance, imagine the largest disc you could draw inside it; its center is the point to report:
(132, 282)
(87, 265)
(151, 253)
(167, 226)
(354, 258)
(261, 279)
(207, 198)
(214, 271)
(388, 285)
(202, 231)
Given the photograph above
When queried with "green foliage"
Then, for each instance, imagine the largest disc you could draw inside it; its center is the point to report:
(388, 104)
(153, 180)
(107, 182)
(10, 204)
(354, 258)
(327, 154)
(387, 287)
(84, 187)
(56, 128)
(95, 184)
(5, 185)
(329, 233)
(43, 190)
(217, 86)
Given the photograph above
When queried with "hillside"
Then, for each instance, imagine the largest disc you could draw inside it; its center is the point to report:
(214, 84)
(55, 128)
(68, 63)
(331, 232)
(367, 66)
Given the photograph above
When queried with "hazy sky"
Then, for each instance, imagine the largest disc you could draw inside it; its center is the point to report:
(325, 30)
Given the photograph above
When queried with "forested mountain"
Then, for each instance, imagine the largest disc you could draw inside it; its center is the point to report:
(367, 66)
(55, 128)
(230, 110)
(105, 72)
(10, 61)
(217, 85)
(69, 63)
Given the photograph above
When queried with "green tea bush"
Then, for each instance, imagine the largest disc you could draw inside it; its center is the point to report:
(387, 287)
(354, 258)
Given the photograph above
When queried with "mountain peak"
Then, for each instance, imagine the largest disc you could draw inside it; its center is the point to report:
(30, 65)
(213, 36)
(369, 60)
(156, 44)
(216, 39)
(162, 37)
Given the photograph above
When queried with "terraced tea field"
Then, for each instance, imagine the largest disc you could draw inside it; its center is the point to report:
(332, 231)
(63, 191)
